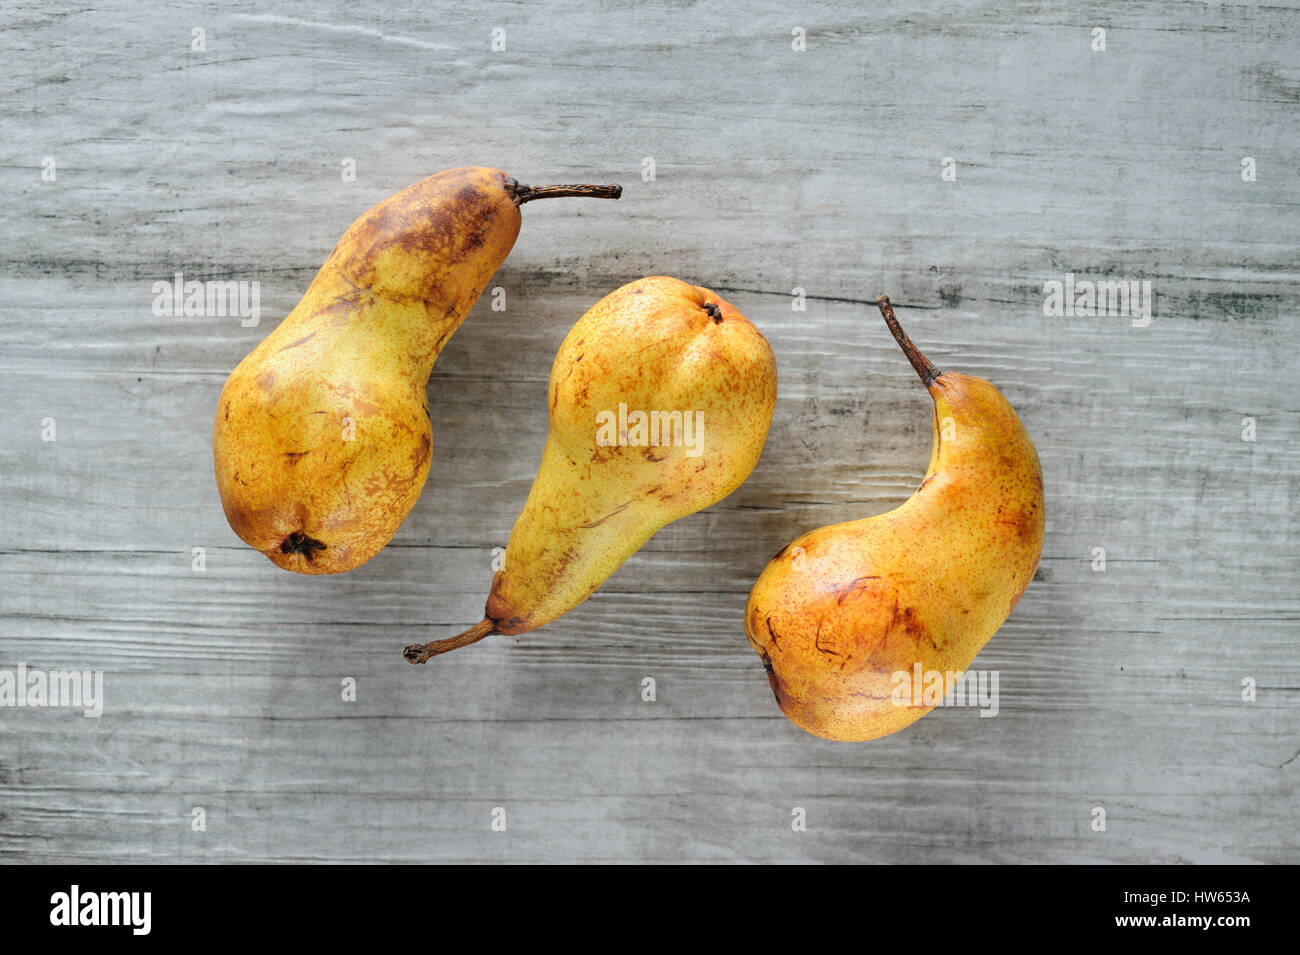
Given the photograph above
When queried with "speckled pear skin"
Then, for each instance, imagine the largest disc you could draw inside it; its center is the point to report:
(841, 609)
(322, 440)
(654, 344)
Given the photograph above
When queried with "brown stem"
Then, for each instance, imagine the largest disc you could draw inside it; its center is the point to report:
(923, 366)
(524, 194)
(420, 653)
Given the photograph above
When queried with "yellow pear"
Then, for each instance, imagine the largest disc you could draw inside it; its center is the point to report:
(322, 438)
(660, 400)
(843, 615)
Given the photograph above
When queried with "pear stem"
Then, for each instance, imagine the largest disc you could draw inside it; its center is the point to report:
(420, 653)
(923, 365)
(524, 194)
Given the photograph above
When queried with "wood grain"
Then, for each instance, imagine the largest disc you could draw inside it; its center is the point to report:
(774, 169)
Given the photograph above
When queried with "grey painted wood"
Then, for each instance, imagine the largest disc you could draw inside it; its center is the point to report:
(774, 169)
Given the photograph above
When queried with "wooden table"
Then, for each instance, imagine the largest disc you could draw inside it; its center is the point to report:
(774, 169)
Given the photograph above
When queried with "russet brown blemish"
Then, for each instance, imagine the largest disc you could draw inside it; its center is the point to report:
(771, 632)
(305, 338)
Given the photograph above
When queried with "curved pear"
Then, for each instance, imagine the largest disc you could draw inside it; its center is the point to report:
(660, 401)
(843, 615)
(322, 438)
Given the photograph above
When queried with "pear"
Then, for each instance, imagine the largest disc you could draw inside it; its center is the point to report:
(842, 616)
(322, 438)
(660, 400)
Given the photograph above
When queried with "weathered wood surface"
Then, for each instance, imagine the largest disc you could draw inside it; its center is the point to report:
(774, 169)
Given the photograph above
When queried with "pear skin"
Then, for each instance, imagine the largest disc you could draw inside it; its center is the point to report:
(322, 440)
(842, 611)
(604, 486)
